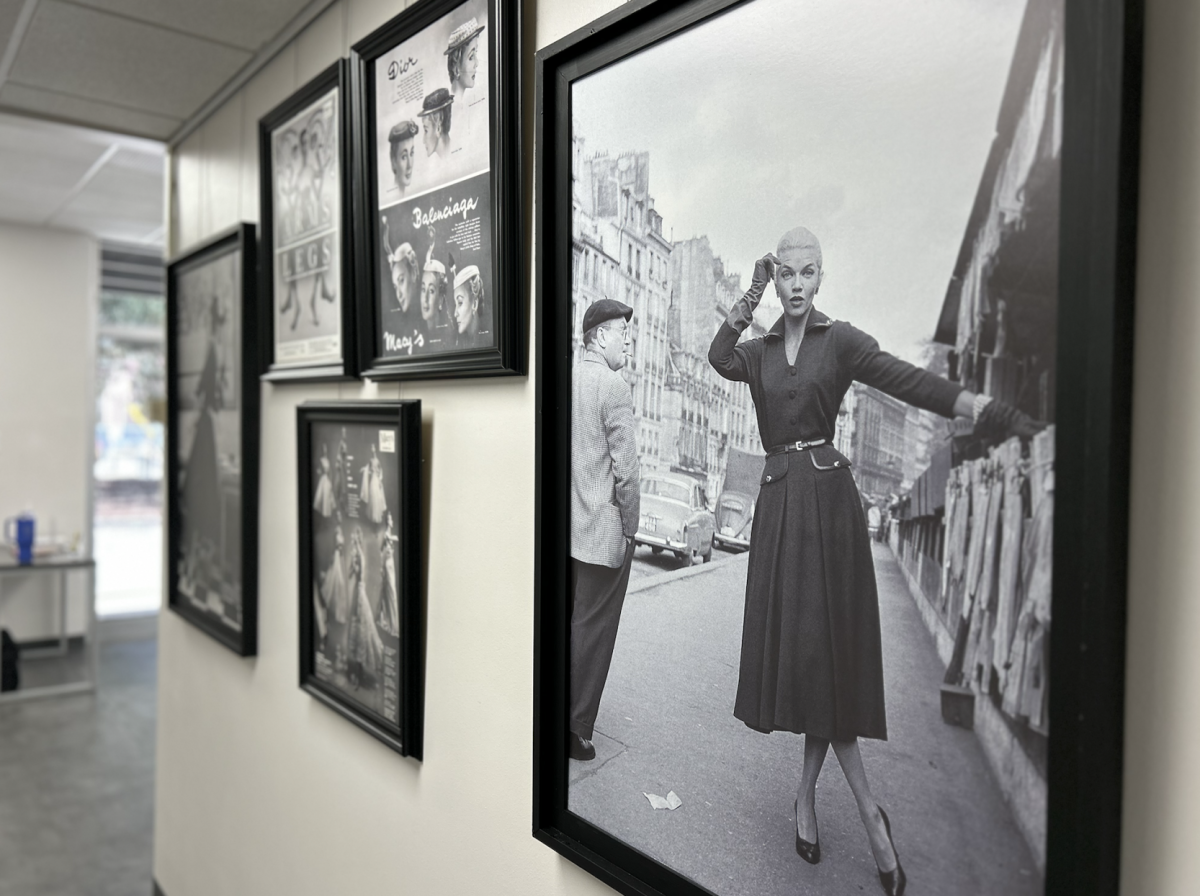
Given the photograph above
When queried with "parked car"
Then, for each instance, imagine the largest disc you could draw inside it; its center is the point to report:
(735, 507)
(676, 517)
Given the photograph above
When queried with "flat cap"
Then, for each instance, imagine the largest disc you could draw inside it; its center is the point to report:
(602, 310)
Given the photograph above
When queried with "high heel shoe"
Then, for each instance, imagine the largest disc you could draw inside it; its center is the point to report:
(893, 881)
(810, 852)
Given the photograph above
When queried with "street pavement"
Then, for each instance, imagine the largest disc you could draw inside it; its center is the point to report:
(666, 724)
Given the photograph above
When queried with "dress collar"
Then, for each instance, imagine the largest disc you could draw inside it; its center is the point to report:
(816, 320)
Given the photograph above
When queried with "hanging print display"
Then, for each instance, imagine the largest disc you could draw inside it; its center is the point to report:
(308, 311)
(434, 132)
(360, 614)
(212, 438)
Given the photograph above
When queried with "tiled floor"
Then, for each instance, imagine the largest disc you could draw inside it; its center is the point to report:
(77, 784)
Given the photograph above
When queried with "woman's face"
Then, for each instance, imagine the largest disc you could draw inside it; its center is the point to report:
(401, 282)
(429, 295)
(402, 162)
(470, 62)
(464, 307)
(430, 126)
(797, 279)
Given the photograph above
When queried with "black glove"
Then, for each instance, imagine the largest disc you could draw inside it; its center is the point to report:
(999, 421)
(742, 312)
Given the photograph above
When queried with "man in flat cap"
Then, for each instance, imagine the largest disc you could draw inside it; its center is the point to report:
(605, 502)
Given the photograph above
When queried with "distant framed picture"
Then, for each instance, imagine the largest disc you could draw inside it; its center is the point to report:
(212, 439)
(307, 276)
(438, 144)
(834, 374)
(361, 621)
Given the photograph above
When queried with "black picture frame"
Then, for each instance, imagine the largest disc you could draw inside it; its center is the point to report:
(1096, 278)
(333, 80)
(233, 556)
(330, 684)
(507, 353)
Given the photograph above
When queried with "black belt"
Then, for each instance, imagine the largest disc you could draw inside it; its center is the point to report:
(796, 446)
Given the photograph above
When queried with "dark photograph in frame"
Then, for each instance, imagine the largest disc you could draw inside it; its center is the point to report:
(833, 445)
(360, 605)
(437, 134)
(212, 438)
(307, 294)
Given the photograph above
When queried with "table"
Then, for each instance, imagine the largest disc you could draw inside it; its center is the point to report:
(58, 567)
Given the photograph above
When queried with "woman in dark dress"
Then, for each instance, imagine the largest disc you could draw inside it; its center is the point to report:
(811, 659)
(202, 473)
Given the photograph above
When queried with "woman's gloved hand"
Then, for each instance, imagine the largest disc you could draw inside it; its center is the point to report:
(998, 420)
(742, 312)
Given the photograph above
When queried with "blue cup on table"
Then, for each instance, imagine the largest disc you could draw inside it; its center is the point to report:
(19, 530)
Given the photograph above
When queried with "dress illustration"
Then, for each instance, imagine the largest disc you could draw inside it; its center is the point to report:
(323, 499)
(333, 606)
(372, 495)
(388, 616)
(364, 647)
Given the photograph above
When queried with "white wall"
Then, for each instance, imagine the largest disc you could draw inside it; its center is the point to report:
(48, 295)
(261, 790)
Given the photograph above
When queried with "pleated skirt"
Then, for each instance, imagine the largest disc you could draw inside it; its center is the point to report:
(811, 659)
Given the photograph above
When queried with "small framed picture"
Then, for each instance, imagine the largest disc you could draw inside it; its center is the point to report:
(361, 621)
(307, 274)
(212, 439)
(438, 143)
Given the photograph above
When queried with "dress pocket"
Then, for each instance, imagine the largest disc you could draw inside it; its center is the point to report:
(826, 457)
(774, 469)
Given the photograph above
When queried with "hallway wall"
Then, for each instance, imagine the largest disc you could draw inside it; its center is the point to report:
(261, 790)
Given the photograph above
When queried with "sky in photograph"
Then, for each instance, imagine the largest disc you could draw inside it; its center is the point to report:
(869, 122)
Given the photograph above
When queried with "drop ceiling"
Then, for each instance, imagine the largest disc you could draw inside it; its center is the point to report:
(139, 67)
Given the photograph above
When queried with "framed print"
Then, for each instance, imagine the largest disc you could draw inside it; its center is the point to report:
(308, 272)
(212, 439)
(438, 131)
(361, 629)
(834, 338)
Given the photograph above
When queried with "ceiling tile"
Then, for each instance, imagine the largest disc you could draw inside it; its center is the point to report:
(84, 52)
(9, 10)
(38, 168)
(234, 22)
(118, 203)
(72, 108)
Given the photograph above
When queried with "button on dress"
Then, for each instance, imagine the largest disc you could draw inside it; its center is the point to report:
(811, 657)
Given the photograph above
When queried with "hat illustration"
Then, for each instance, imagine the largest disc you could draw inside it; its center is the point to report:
(405, 130)
(467, 273)
(462, 34)
(436, 101)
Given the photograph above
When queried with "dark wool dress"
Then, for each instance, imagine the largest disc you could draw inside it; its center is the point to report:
(811, 651)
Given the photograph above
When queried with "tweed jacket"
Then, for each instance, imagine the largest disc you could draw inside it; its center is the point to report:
(605, 486)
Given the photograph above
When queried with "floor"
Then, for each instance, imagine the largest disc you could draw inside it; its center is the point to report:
(77, 783)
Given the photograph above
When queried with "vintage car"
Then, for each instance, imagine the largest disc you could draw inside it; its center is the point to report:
(676, 517)
(735, 506)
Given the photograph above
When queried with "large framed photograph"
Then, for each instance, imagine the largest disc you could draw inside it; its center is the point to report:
(833, 333)
(438, 133)
(361, 630)
(307, 291)
(212, 439)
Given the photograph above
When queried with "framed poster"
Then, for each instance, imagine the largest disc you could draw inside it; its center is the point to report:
(361, 629)
(212, 439)
(308, 274)
(833, 326)
(438, 133)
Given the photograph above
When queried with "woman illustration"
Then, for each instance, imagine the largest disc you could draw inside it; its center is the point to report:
(333, 605)
(402, 151)
(365, 648)
(468, 306)
(338, 480)
(811, 659)
(202, 474)
(374, 502)
(402, 263)
(318, 156)
(323, 498)
(388, 614)
(435, 126)
(433, 298)
(462, 63)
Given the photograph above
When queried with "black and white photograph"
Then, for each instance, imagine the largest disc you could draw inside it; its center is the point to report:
(305, 178)
(357, 557)
(814, 293)
(434, 129)
(213, 422)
